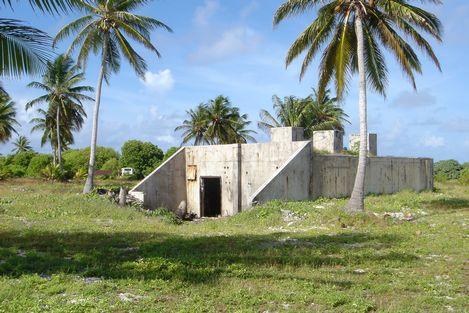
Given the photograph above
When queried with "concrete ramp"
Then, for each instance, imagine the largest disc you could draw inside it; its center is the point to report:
(290, 181)
(166, 185)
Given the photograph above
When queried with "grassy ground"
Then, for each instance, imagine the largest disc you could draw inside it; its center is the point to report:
(63, 252)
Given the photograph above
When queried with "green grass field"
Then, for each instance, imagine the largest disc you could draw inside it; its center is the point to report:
(64, 252)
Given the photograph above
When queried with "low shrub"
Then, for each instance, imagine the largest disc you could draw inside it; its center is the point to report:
(464, 177)
(54, 172)
(37, 164)
(111, 165)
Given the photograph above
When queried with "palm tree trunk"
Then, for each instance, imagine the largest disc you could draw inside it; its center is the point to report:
(94, 133)
(59, 145)
(356, 202)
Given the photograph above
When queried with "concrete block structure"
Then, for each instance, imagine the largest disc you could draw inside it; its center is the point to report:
(354, 141)
(331, 141)
(222, 180)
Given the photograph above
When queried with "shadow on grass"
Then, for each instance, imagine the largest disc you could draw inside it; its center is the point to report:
(448, 203)
(142, 255)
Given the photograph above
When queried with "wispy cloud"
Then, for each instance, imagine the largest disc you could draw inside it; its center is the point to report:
(410, 99)
(204, 12)
(433, 141)
(230, 43)
(250, 8)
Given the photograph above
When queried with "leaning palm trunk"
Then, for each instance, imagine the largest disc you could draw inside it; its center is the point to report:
(59, 145)
(356, 202)
(94, 133)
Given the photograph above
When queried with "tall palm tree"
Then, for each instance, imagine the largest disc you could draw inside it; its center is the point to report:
(315, 112)
(63, 95)
(21, 144)
(7, 117)
(46, 123)
(103, 29)
(195, 127)
(351, 34)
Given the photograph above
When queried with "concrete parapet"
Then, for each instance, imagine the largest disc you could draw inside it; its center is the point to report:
(331, 141)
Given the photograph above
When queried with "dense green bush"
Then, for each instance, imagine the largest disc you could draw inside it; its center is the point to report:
(22, 159)
(464, 177)
(447, 170)
(112, 165)
(75, 160)
(143, 157)
(37, 164)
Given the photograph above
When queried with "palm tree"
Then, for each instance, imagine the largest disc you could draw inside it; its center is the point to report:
(216, 122)
(7, 117)
(225, 122)
(46, 123)
(315, 112)
(62, 95)
(288, 113)
(351, 34)
(195, 127)
(323, 113)
(104, 29)
(21, 144)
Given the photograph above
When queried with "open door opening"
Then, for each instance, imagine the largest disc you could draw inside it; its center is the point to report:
(210, 196)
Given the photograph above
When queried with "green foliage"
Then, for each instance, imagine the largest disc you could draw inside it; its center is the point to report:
(54, 172)
(447, 170)
(8, 120)
(142, 156)
(23, 158)
(112, 165)
(169, 153)
(464, 177)
(80, 174)
(14, 170)
(37, 164)
(216, 122)
(78, 159)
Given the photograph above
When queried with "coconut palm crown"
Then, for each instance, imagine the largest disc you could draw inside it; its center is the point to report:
(7, 117)
(390, 24)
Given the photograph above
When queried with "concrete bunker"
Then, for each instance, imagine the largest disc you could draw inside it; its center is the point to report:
(227, 179)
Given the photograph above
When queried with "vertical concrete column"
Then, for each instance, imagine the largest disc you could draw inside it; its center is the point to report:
(354, 141)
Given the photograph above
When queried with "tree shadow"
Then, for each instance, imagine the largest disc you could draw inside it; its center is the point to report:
(141, 255)
(448, 204)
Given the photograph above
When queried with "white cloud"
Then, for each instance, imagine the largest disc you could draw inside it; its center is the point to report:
(205, 12)
(160, 82)
(232, 42)
(433, 141)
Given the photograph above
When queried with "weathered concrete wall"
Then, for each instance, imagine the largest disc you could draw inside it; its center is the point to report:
(165, 186)
(260, 161)
(333, 175)
(242, 169)
(289, 182)
(331, 141)
(214, 161)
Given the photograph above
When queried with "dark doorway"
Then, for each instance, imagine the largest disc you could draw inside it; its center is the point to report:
(210, 196)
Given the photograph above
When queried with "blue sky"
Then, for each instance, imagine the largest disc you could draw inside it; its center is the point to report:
(230, 47)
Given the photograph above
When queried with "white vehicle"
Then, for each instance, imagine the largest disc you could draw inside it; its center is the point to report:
(127, 171)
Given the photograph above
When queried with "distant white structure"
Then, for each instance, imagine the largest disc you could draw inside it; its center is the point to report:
(127, 171)
(354, 142)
